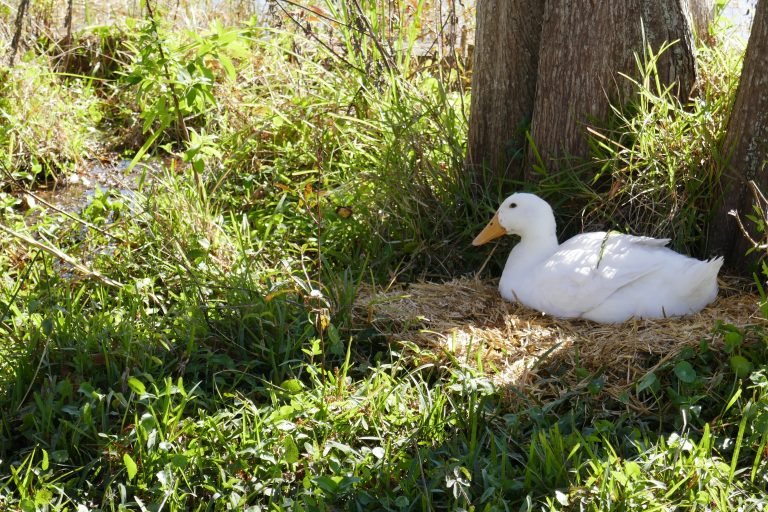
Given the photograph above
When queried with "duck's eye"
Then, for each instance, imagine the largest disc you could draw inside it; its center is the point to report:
(513, 205)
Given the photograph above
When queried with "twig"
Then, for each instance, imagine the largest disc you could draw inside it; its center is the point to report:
(61, 255)
(313, 36)
(59, 210)
(372, 35)
(760, 201)
(757, 193)
(744, 231)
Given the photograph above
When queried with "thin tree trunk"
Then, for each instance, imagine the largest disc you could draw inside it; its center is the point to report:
(702, 15)
(17, 33)
(503, 87)
(746, 142)
(68, 38)
(585, 45)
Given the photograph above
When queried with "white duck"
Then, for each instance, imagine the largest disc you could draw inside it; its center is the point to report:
(605, 277)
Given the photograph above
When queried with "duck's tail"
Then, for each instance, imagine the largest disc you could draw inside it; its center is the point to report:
(703, 279)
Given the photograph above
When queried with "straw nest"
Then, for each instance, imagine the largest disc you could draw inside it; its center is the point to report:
(537, 356)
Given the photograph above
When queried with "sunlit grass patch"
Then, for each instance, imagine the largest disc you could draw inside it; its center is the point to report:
(47, 126)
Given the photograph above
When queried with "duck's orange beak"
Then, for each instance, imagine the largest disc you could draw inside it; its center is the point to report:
(491, 231)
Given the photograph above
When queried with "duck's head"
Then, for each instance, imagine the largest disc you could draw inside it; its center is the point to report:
(520, 214)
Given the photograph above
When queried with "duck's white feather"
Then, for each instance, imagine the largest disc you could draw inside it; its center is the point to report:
(606, 277)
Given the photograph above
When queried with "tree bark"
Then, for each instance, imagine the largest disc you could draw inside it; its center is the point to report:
(19, 23)
(585, 45)
(503, 87)
(746, 143)
(702, 15)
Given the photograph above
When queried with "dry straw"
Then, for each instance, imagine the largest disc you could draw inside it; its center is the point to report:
(533, 356)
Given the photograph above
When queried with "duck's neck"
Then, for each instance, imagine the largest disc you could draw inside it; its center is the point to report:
(531, 251)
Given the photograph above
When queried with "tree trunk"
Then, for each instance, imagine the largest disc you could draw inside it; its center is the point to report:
(585, 45)
(503, 87)
(23, 5)
(702, 15)
(746, 142)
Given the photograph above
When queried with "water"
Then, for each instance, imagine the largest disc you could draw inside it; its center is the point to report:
(738, 14)
(74, 192)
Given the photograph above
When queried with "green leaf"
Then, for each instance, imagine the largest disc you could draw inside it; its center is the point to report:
(282, 413)
(648, 380)
(732, 340)
(741, 366)
(44, 465)
(180, 461)
(329, 484)
(43, 497)
(60, 456)
(632, 469)
(226, 63)
(27, 505)
(292, 386)
(130, 466)
(137, 386)
(685, 372)
(291, 454)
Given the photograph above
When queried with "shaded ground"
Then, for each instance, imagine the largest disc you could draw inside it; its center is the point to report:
(539, 356)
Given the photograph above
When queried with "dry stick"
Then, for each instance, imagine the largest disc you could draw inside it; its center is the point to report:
(68, 37)
(760, 200)
(61, 255)
(17, 34)
(313, 36)
(75, 218)
(59, 210)
(317, 13)
(372, 35)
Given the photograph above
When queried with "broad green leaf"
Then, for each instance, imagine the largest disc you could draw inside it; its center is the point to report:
(137, 386)
(180, 461)
(741, 366)
(291, 454)
(292, 386)
(632, 469)
(648, 380)
(685, 372)
(27, 505)
(732, 340)
(130, 466)
(43, 497)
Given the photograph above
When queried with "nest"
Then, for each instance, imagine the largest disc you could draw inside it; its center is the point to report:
(540, 357)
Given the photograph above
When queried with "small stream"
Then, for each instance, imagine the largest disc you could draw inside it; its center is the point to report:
(74, 192)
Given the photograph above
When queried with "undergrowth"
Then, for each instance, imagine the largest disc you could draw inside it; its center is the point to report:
(203, 353)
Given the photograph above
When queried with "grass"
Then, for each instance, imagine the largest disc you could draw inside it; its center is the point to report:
(223, 367)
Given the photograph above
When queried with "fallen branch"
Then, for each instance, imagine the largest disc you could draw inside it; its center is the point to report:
(50, 249)
(760, 202)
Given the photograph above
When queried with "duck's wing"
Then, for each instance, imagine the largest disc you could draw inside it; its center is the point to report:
(589, 268)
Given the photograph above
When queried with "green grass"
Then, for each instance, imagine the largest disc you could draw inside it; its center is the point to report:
(224, 368)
